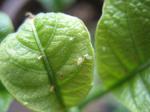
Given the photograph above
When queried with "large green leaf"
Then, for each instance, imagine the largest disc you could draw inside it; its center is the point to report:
(123, 49)
(6, 27)
(5, 99)
(47, 64)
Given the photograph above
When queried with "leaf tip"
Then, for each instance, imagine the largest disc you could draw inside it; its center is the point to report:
(29, 15)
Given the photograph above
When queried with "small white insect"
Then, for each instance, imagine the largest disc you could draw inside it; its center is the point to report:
(40, 57)
(88, 57)
(25, 103)
(70, 38)
(80, 60)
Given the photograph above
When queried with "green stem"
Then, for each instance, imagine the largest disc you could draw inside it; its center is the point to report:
(100, 93)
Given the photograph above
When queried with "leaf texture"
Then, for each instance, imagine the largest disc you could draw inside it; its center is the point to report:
(5, 99)
(6, 27)
(47, 64)
(122, 46)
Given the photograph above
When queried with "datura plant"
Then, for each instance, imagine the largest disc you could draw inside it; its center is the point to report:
(47, 65)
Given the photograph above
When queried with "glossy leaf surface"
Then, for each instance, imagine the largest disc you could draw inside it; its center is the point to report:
(122, 48)
(48, 62)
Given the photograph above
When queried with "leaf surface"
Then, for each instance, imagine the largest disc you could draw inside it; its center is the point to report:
(47, 64)
(5, 99)
(6, 27)
(122, 46)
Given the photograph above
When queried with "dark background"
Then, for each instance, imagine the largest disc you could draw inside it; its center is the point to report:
(87, 10)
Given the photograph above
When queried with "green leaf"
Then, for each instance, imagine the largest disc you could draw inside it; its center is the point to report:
(6, 26)
(56, 5)
(47, 64)
(122, 51)
(5, 99)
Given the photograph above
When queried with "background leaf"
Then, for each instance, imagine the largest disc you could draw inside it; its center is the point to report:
(122, 46)
(5, 99)
(56, 5)
(6, 27)
(47, 50)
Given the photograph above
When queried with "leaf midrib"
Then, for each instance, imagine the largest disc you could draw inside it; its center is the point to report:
(101, 93)
(48, 68)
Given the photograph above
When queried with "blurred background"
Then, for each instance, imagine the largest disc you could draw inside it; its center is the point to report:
(87, 10)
